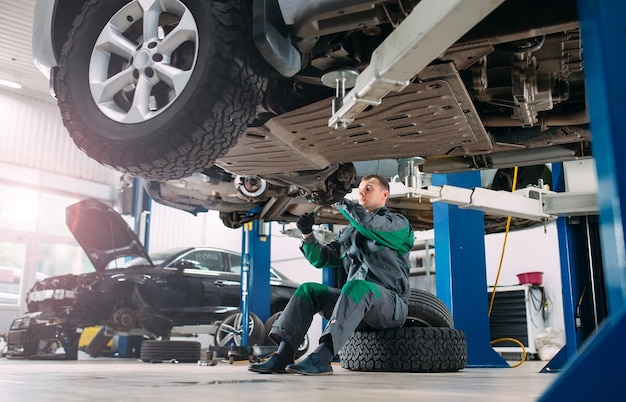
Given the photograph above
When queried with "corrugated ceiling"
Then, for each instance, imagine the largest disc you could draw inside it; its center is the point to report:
(16, 63)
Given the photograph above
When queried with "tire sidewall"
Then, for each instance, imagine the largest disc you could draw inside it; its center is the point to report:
(426, 309)
(413, 349)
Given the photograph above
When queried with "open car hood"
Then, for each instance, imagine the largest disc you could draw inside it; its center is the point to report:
(102, 233)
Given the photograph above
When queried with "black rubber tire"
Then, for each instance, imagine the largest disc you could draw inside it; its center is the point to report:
(427, 310)
(302, 349)
(229, 332)
(181, 351)
(205, 119)
(407, 349)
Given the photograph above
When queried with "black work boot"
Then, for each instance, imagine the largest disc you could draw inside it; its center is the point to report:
(274, 365)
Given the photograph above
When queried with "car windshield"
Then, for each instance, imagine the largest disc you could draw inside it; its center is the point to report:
(158, 258)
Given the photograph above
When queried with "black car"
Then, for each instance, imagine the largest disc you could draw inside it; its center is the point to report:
(147, 295)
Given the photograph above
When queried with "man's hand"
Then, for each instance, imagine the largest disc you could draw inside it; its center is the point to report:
(305, 223)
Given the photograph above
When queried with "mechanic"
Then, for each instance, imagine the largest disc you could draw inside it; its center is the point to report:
(374, 251)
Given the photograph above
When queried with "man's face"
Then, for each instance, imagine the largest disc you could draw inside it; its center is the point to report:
(372, 195)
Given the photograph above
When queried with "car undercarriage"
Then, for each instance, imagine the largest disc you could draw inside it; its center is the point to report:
(227, 105)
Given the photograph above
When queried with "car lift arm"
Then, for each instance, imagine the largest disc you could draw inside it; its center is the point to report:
(432, 27)
(529, 203)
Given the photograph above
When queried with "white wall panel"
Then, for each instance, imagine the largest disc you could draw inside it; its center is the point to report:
(171, 227)
(32, 135)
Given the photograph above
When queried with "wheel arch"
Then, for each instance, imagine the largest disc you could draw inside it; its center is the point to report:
(135, 288)
(65, 11)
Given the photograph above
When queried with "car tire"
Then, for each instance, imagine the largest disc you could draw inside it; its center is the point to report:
(230, 331)
(406, 349)
(179, 104)
(426, 342)
(181, 351)
(302, 349)
(427, 310)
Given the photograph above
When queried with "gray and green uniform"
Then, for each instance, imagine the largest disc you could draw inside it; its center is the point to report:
(374, 251)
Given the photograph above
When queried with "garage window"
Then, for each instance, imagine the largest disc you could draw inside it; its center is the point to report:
(12, 258)
(34, 241)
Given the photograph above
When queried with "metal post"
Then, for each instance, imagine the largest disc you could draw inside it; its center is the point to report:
(142, 206)
(569, 287)
(245, 271)
(597, 371)
(255, 275)
(259, 277)
(462, 271)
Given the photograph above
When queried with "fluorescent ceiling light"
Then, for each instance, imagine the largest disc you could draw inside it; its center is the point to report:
(10, 84)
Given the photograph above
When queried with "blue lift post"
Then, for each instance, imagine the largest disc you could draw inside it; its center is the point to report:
(255, 273)
(569, 286)
(142, 206)
(597, 371)
(461, 270)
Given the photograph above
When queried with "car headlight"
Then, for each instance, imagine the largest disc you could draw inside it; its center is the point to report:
(20, 323)
(54, 294)
(60, 294)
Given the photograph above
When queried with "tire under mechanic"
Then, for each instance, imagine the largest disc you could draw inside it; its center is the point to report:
(374, 251)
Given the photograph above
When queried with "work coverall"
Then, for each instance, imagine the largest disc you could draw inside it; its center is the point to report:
(374, 251)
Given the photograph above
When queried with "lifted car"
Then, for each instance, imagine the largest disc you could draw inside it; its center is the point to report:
(226, 104)
(148, 295)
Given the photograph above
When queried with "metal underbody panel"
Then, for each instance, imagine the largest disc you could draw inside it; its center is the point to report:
(406, 124)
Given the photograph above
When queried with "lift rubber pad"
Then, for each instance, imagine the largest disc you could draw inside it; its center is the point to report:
(424, 119)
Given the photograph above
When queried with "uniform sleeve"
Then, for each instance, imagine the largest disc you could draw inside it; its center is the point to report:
(321, 256)
(391, 230)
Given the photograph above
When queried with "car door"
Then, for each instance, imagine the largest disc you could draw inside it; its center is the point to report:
(209, 270)
(233, 296)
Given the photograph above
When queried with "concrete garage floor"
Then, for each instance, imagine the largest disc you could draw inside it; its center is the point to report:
(130, 379)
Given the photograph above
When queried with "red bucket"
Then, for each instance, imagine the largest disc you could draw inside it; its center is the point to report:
(533, 278)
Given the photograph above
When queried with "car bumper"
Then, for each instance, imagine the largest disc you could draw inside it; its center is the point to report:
(31, 337)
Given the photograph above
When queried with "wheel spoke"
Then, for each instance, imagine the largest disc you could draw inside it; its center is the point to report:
(151, 12)
(175, 78)
(141, 101)
(111, 41)
(226, 339)
(229, 333)
(104, 91)
(186, 30)
(230, 329)
(237, 322)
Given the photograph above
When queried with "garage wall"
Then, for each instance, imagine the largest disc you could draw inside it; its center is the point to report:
(32, 135)
(529, 250)
(171, 227)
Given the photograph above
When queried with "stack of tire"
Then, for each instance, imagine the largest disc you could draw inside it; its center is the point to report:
(157, 351)
(426, 343)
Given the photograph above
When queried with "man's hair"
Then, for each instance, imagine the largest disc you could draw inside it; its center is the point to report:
(383, 182)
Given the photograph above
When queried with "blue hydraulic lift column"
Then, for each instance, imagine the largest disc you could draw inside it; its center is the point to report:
(597, 372)
(141, 210)
(569, 285)
(255, 275)
(461, 270)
